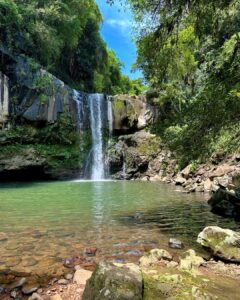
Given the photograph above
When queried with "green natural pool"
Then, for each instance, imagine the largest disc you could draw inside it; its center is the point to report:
(43, 223)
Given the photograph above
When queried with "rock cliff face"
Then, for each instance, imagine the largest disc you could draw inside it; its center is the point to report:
(31, 93)
(39, 122)
(131, 113)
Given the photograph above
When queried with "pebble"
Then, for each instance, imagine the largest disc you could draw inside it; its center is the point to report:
(77, 268)
(172, 264)
(13, 262)
(18, 283)
(90, 251)
(133, 253)
(3, 236)
(63, 281)
(35, 296)
(69, 276)
(14, 294)
(29, 262)
(30, 288)
(56, 297)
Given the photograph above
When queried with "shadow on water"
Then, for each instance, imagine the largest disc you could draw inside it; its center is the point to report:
(181, 219)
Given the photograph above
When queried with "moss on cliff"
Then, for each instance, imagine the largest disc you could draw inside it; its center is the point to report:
(57, 148)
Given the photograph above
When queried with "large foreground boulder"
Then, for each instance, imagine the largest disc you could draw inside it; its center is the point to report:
(224, 243)
(115, 281)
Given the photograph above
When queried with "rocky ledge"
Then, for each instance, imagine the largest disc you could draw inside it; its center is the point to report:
(142, 156)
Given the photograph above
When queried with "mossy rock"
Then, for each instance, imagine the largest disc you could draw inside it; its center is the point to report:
(223, 243)
(114, 281)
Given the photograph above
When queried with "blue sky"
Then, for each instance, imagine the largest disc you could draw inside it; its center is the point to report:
(117, 33)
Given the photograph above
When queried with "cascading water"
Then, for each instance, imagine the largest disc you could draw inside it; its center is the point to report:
(97, 152)
(78, 98)
(94, 111)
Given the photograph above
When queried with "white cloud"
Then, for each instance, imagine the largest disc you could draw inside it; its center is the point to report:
(125, 26)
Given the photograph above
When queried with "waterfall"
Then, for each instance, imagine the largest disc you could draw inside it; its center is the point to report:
(94, 112)
(97, 152)
(78, 98)
(4, 100)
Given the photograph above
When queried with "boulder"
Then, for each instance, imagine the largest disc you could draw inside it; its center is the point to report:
(155, 256)
(131, 113)
(223, 243)
(221, 171)
(225, 203)
(179, 180)
(130, 156)
(115, 281)
(207, 185)
(186, 172)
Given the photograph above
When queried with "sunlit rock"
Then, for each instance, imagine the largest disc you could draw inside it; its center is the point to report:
(224, 243)
(114, 281)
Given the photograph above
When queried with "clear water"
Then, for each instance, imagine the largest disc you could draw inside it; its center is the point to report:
(48, 222)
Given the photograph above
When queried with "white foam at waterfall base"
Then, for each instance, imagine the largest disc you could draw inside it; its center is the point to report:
(97, 167)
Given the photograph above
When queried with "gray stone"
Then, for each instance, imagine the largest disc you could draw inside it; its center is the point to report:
(179, 180)
(63, 281)
(14, 294)
(175, 244)
(30, 288)
(115, 281)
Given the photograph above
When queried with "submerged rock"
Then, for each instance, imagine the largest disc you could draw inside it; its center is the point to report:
(175, 244)
(30, 288)
(224, 243)
(115, 281)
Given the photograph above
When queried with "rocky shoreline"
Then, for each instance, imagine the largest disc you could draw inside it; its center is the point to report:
(157, 275)
(141, 156)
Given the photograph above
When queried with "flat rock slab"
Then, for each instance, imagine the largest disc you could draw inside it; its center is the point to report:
(81, 276)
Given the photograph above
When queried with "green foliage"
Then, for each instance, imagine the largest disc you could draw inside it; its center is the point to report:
(64, 37)
(190, 55)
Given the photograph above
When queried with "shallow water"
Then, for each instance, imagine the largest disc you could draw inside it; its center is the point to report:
(48, 222)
